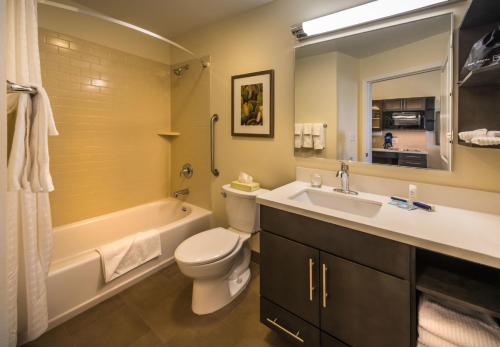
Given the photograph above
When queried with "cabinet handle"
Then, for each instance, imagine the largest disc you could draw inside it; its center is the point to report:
(311, 287)
(325, 294)
(295, 336)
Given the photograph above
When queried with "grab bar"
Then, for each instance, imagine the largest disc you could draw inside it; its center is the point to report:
(214, 119)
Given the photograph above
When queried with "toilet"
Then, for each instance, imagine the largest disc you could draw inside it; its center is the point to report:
(218, 260)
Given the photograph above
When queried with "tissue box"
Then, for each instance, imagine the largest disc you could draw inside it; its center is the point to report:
(247, 187)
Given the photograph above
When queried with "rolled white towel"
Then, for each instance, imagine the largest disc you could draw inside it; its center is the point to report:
(486, 140)
(468, 135)
(318, 132)
(307, 140)
(299, 127)
(493, 133)
(458, 329)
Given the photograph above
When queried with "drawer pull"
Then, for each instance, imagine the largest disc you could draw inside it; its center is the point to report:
(325, 294)
(295, 336)
(311, 287)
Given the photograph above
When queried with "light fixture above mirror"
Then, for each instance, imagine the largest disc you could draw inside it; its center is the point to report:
(362, 14)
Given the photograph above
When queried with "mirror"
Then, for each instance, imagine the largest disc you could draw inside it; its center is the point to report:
(382, 96)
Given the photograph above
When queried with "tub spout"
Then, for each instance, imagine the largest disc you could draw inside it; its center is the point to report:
(182, 192)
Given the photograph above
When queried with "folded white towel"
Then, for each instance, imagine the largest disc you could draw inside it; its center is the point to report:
(468, 135)
(438, 323)
(43, 126)
(318, 132)
(299, 127)
(428, 339)
(123, 255)
(307, 140)
(486, 140)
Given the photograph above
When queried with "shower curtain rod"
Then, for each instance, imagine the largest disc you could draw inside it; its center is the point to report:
(98, 15)
(18, 88)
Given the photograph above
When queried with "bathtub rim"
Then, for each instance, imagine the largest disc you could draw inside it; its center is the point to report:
(63, 263)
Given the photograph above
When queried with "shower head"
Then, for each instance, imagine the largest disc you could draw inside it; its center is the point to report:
(179, 71)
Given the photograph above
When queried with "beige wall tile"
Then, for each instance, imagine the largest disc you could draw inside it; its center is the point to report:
(108, 156)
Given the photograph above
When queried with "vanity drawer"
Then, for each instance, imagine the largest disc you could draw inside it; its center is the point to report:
(328, 341)
(381, 254)
(414, 160)
(294, 329)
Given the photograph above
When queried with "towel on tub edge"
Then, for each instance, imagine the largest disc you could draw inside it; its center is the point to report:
(126, 254)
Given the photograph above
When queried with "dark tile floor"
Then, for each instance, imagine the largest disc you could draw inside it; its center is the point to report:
(157, 312)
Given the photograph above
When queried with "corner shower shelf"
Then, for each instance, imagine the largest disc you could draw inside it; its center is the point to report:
(169, 133)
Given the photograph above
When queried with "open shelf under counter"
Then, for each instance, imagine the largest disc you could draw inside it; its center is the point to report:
(461, 283)
(485, 76)
(469, 144)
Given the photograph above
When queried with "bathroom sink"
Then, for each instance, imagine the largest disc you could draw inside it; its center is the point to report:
(338, 201)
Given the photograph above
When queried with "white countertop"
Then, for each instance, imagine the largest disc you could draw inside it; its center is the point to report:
(398, 151)
(465, 234)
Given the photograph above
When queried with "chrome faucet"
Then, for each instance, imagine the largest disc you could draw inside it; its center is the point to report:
(343, 173)
(182, 192)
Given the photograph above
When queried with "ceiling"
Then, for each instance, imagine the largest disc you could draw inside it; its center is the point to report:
(171, 18)
(377, 41)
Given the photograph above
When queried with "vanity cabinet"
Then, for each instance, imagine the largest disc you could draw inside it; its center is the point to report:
(360, 299)
(335, 281)
(290, 276)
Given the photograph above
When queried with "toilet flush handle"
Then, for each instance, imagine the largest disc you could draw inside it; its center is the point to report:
(224, 195)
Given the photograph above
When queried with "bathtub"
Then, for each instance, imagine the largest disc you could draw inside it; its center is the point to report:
(75, 282)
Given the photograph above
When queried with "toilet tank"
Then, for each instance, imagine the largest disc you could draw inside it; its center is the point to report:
(242, 210)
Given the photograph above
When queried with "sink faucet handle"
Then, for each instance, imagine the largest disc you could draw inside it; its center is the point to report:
(344, 167)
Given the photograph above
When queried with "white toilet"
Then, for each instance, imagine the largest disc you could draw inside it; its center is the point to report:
(218, 259)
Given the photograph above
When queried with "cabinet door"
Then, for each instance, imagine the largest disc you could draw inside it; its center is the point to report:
(414, 104)
(289, 276)
(393, 105)
(363, 307)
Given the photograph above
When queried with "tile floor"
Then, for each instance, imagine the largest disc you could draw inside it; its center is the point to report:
(157, 312)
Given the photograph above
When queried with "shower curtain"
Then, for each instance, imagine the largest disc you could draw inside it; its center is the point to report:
(29, 226)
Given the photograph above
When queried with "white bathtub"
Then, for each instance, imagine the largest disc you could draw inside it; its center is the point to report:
(75, 280)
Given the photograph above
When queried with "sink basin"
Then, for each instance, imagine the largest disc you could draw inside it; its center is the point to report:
(338, 201)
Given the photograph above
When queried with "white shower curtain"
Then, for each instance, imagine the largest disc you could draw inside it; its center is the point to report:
(29, 225)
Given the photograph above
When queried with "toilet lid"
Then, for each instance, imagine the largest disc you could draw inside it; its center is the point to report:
(207, 246)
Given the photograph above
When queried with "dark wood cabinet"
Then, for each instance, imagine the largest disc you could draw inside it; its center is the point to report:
(414, 104)
(290, 276)
(327, 285)
(412, 159)
(393, 105)
(364, 307)
(353, 286)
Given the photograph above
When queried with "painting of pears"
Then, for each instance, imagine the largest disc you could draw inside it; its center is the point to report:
(252, 104)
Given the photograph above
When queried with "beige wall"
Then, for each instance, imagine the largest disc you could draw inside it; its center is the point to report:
(260, 40)
(316, 98)
(347, 110)
(190, 117)
(421, 85)
(108, 107)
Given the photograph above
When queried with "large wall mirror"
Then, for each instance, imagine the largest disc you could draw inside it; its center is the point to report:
(382, 96)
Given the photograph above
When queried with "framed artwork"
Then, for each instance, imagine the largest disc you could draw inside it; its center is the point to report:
(253, 104)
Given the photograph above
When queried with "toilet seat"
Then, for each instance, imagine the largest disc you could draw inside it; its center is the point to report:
(207, 247)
